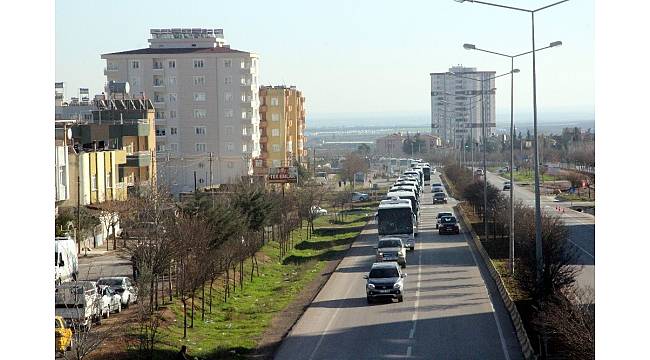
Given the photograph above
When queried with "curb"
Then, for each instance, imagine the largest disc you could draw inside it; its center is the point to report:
(522, 336)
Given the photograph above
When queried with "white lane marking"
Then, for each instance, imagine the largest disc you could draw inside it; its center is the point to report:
(329, 323)
(579, 247)
(494, 313)
(408, 351)
(412, 332)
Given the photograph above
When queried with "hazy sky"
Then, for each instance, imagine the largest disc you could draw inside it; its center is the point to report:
(352, 57)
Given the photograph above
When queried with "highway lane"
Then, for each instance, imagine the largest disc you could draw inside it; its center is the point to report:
(582, 227)
(448, 311)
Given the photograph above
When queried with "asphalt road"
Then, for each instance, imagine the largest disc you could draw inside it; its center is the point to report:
(582, 228)
(449, 311)
(108, 264)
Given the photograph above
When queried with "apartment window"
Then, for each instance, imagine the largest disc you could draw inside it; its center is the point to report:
(244, 130)
(109, 180)
(228, 113)
(230, 164)
(200, 113)
(229, 147)
(276, 163)
(244, 148)
(171, 64)
(243, 64)
(244, 114)
(173, 147)
(275, 117)
(243, 97)
(275, 132)
(227, 80)
(111, 66)
(199, 130)
(228, 130)
(173, 131)
(200, 147)
(172, 97)
(93, 182)
(276, 147)
(198, 63)
(135, 64)
(274, 101)
(157, 65)
(199, 80)
(172, 80)
(227, 97)
(160, 132)
(160, 115)
(227, 63)
(172, 114)
(160, 147)
(243, 80)
(199, 96)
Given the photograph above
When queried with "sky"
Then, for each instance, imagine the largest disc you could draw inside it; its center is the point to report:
(354, 58)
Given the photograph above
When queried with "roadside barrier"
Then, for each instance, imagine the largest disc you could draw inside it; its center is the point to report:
(522, 335)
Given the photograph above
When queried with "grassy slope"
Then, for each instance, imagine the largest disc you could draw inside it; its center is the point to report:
(237, 324)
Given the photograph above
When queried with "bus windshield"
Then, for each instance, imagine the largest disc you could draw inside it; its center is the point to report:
(395, 221)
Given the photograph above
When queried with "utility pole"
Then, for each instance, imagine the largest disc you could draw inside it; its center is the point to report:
(195, 182)
(78, 213)
(210, 170)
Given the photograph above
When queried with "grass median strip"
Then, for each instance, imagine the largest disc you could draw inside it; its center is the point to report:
(234, 328)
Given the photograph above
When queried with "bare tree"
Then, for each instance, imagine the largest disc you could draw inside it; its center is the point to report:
(353, 164)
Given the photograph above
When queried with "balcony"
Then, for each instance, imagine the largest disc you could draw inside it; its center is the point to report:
(118, 131)
(139, 159)
(264, 139)
(263, 123)
(263, 108)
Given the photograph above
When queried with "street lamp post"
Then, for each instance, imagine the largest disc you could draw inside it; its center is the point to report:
(511, 264)
(538, 210)
(484, 137)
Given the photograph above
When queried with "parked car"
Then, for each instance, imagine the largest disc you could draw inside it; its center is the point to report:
(123, 286)
(62, 336)
(317, 211)
(506, 185)
(359, 196)
(385, 280)
(437, 189)
(439, 198)
(436, 185)
(391, 249)
(109, 300)
(440, 216)
(448, 225)
(66, 263)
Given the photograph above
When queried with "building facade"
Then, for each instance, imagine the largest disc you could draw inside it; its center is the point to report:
(282, 127)
(206, 100)
(456, 104)
(390, 144)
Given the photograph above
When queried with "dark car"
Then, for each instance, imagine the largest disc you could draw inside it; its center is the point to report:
(439, 198)
(448, 225)
(440, 216)
(506, 185)
(385, 280)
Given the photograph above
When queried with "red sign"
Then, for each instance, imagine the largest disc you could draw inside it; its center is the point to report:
(283, 175)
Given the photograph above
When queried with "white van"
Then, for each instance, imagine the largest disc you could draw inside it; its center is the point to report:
(66, 262)
(77, 302)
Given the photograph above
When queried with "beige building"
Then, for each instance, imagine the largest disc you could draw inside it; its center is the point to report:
(282, 127)
(206, 100)
(390, 144)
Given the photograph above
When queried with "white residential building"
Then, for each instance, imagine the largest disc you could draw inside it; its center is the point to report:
(206, 100)
(456, 104)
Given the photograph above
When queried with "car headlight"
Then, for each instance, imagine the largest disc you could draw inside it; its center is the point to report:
(397, 286)
(370, 286)
(380, 253)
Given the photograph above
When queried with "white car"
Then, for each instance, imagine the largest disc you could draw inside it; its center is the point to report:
(123, 286)
(317, 210)
(109, 301)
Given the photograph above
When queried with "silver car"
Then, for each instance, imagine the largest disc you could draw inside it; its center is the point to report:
(391, 249)
(123, 286)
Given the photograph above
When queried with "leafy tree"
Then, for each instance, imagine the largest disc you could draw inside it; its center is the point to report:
(363, 150)
(414, 144)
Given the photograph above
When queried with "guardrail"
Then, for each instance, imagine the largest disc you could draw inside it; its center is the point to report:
(522, 335)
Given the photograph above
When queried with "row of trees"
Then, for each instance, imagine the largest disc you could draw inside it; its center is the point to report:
(557, 293)
(180, 249)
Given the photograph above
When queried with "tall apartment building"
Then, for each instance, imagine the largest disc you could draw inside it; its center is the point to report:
(206, 101)
(282, 126)
(456, 104)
